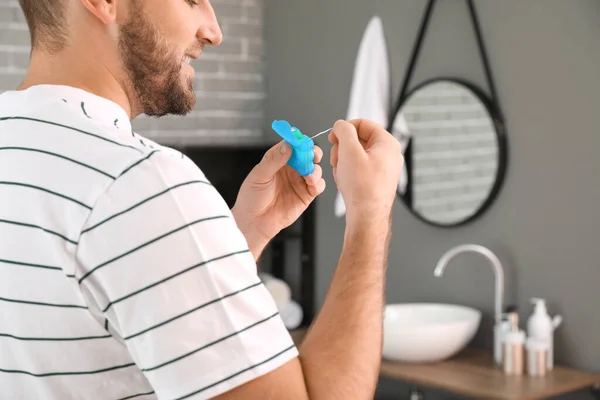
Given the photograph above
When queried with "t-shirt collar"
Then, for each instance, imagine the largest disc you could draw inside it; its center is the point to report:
(95, 107)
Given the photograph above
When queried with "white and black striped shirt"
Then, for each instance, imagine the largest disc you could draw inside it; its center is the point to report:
(122, 272)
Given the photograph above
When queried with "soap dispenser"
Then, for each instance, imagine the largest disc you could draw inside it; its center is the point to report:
(541, 327)
(513, 347)
(500, 331)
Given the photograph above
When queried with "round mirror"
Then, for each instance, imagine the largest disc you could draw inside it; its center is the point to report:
(454, 149)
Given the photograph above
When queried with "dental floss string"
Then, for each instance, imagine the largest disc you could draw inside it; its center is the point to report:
(322, 133)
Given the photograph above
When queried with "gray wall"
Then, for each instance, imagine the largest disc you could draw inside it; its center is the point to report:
(229, 78)
(545, 225)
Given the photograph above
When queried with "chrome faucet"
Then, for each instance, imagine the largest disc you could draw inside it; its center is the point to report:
(499, 286)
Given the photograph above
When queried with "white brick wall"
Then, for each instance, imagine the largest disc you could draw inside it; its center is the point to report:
(454, 153)
(14, 44)
(229, 78)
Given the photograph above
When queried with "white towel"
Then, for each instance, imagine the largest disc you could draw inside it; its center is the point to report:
(401, 132)
(370, 92)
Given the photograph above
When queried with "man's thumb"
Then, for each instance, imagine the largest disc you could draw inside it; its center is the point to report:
(273, 160)
(346, 136)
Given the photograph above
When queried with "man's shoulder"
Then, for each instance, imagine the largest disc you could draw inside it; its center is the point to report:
(113, 148)
(50, 121)
(168, 157)
(55, 117)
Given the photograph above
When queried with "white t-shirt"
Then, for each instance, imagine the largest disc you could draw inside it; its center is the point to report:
(123, 274)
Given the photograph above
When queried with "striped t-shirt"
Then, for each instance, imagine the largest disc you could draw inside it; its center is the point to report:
(123, 274)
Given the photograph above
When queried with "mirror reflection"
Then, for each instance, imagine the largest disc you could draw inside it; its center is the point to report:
(452, 152)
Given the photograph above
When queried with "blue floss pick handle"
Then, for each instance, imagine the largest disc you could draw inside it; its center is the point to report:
(303, 155)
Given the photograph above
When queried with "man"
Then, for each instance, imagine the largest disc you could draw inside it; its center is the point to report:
(123, 274)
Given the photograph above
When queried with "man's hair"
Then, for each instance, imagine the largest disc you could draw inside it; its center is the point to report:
(47, 23)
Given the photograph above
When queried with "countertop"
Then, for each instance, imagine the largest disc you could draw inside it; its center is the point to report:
(472, 373)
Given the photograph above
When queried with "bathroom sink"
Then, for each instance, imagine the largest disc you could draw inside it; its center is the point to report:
(427, 332)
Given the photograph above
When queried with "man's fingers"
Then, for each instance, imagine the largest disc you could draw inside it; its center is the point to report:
(318, 154)
(347, 137)
(317, 189)
(314, 178)
(332, 138)
(274, 159)
(354, 136)
(367, 129)
(333, 156)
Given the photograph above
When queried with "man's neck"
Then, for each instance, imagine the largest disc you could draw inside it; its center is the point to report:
(79, 72)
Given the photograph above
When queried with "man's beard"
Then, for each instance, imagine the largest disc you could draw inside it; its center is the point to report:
(154, 71)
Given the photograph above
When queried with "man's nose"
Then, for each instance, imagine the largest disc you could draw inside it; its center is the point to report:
(210, 30)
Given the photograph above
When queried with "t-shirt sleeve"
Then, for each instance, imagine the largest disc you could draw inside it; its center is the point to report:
(161, 258)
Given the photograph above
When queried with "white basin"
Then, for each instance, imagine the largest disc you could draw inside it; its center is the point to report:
(427, 332)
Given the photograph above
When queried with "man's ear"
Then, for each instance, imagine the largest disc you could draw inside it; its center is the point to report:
(104, 10)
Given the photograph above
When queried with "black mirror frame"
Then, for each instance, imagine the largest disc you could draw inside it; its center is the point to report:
(499, 128)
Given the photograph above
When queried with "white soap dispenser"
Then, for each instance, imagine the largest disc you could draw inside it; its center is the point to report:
(541, 327)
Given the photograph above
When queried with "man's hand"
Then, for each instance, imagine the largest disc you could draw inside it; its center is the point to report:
(274, 195)
(367, 162)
